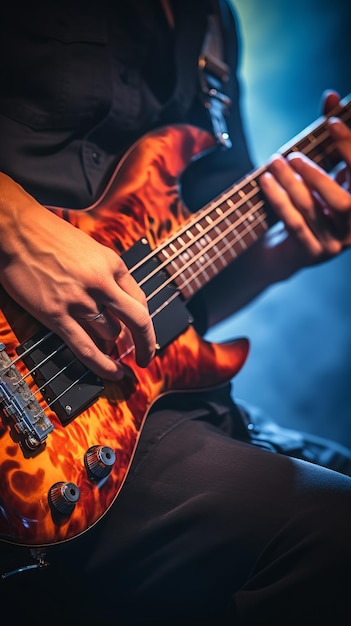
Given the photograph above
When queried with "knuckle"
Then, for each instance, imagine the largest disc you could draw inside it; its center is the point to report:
(117, 263)
(143, 300)
(144, 320)
(297, 225)
(56, 314)
(332, 248)
(345, 204)
(87, 352)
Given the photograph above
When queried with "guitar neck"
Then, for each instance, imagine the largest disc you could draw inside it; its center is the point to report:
(217, 234)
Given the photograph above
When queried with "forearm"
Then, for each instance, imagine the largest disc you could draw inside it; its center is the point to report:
(9, 207)
(19, 214)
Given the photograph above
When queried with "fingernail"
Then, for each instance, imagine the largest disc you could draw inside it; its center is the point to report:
(266, 179)
(337, 129)
(297, 156)
(276, 162)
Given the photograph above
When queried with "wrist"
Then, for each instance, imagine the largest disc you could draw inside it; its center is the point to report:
(16, 208)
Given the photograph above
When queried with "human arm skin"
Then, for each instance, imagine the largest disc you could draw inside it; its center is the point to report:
(315, 212)
(62, 276)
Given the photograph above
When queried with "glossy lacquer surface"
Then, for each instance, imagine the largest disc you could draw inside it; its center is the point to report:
(141, 202)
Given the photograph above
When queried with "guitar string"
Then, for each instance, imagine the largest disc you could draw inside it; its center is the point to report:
(250, 227)
(127, 351)
(254, 219)
(227, 194)
(204, 232)
(38, 390)
(48, 335)
(250, 179)
(214, 204)
(76, 381)
(201, 235)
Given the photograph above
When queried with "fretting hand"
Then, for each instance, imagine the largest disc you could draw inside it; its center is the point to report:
(314, 206)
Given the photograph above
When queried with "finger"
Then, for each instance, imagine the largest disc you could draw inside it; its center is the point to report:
(104, 324)
(316, 178)
(342, 135)
(343, 176)
(295, 197)
(126, 281)
(129, 304)
(86, 350)
(292, 182)
(135, 316)
(330, 100)
(125, 300)
(293, 219)
(104, 328)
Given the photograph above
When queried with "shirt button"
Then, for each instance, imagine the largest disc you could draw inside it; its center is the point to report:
(96, 157)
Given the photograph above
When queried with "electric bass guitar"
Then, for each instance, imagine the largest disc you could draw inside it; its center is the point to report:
(67, 438)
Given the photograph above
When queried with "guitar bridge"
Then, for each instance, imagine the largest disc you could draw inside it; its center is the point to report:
(20, 405)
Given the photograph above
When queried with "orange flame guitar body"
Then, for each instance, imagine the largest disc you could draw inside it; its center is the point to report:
(141, 201)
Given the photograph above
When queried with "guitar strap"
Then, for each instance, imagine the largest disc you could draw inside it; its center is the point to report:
(214, 74)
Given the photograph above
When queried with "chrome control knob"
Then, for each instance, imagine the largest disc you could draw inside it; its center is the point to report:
(63, 497)
(99, 461)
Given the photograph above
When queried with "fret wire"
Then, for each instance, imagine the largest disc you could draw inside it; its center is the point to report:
(169, 280)
(232, 228)
(211, 208)
(317, 128)
(230, 247)
(222, 236)
(184, 267)
(322, 134)
(225, 196)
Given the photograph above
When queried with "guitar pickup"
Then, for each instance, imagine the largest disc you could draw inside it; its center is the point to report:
(167, 308)
(65, 383)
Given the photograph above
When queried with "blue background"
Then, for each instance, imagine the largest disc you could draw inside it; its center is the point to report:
(299, 367)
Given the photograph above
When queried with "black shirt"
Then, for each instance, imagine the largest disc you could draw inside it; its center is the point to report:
(82, 81)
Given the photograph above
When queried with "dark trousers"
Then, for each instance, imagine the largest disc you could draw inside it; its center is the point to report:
(208, 529)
